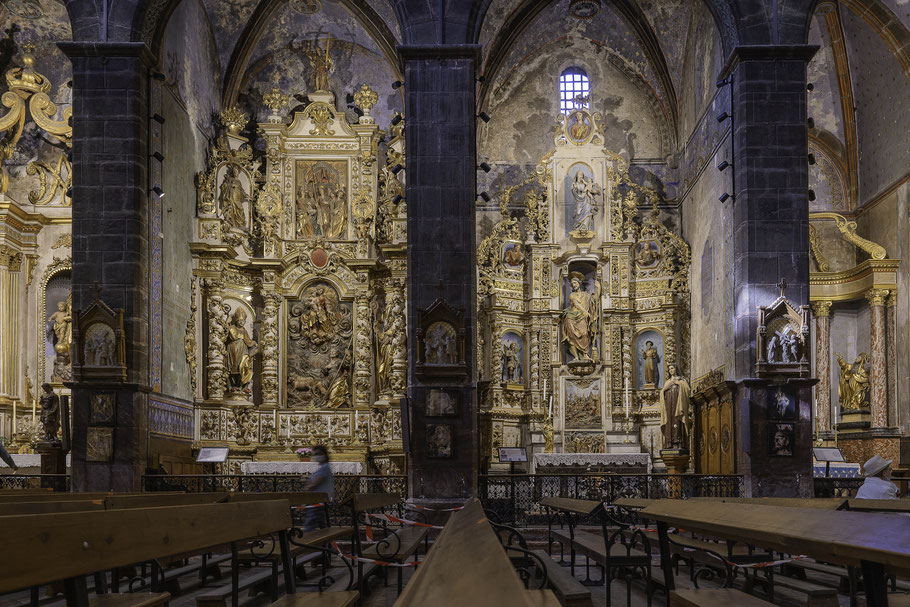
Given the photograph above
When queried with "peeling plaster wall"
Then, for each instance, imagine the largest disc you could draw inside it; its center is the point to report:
(840, 254)
(358, 60)
(703, 62)
(882, 94)
(190, 100)
(824, 101)
(707, 227)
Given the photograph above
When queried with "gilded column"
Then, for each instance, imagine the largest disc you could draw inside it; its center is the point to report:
(10, 263)
(878, 381)
(218, 321)
(268, 342)
(822, 311)
(363, 345)
(891, 354)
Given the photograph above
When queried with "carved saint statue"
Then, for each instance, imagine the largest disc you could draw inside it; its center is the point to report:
(548, 436)
(321, 63)
(510, 362)
(50, 412)
(579, 318)
(232, 197)
(240, 351)
(853, 387)
(62, 321)
(674, 410)
(584, 191)
(439, 344)
(649, 354)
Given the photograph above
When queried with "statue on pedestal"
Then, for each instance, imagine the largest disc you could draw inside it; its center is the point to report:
(675, 410)
(579, 318)
(62, 321)
(240, 351)
(853, 386)
(50, 412)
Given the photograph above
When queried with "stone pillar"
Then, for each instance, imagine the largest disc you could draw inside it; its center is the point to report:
(111, 242)
(10, 264)
(822, 311)
(770, 242)
(878, 380)
(891, 354)
(440, 83)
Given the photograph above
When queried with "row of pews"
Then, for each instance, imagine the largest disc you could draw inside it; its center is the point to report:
(865, 541)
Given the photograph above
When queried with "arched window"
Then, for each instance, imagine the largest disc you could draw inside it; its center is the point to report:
(572, 83)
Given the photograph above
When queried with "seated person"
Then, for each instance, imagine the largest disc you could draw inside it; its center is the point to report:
(877, 485)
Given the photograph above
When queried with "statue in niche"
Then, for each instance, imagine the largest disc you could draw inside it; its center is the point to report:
(440, 345)
(321, 62)
(240, 351)
(649, 354)
(853, 386)
(511, 362)
(232, 198)
(50, 412)
(584, 191)
(579, 318)
(62, 327)
(321, 199)
(675, 410)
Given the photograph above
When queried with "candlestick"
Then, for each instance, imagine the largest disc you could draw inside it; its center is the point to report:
(13, 432)
(34, 410)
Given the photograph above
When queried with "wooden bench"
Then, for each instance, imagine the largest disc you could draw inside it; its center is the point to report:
(617, 550)
(714, 597)
(467, 565)
(816, 594)
(866, 505)
(822, 503)
(392, 543)
(842, 537)
(70, 546)
(571, 591)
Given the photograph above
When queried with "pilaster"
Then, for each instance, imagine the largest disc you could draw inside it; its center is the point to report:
(822, 312)
(878, 380)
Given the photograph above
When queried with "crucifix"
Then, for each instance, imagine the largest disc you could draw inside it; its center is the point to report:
(782, 285)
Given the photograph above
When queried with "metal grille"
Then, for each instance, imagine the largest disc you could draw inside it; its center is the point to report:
(572, 83)
(52, 482)
(836, 487)
(515, 499)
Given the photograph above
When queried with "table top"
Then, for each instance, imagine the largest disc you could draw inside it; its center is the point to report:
(834, 536)
(468, 562)
(863, 505)
(822, 503)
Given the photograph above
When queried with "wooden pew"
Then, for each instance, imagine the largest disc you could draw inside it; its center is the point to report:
(468, 566)
(394, 544)
(614, 548)
(63, 496)
(874, 542)
(863, 505)
(70, 546)
(14, 508)
(154, 500)
(822, 503)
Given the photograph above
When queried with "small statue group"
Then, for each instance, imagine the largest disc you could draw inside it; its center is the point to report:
(783, 347)
(440, 345)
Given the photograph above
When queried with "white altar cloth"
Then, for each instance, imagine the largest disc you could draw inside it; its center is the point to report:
(591, 459)
(298, 467)
(28, 460)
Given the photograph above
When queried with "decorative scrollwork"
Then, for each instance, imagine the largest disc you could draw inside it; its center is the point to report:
(51, 180)
(815, 250)
(848, 229)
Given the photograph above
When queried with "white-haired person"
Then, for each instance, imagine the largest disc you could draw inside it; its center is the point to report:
(878, 485)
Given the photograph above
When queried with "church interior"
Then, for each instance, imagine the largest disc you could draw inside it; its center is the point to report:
(594, 261)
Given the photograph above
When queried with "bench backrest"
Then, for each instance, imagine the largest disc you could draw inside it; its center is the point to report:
(119, 502)
(295, 498)
(50, 547)
(63, 496)
(466, 566)
(582, 507)
(364, 502)
(633, 502)
(18, 508)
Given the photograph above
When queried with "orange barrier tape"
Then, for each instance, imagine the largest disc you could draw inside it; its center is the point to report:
(363, 560)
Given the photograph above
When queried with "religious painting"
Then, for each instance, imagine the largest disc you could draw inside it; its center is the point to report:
(441, 403)
(583, 404)
(513, 256)
(440, 345)
(647, 254)
(584, 442)
(58, 329)
(513, 358)
(99, 444)
(648, 354)
(101, 409)
(781, 403)
(233, 186)
(782, 437)
(582, 197)
(321, 198)
(439, 440)
(579, 323)
(320, 342)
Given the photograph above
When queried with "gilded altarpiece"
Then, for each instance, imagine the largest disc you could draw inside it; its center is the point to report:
(298, 330)
(578, 267)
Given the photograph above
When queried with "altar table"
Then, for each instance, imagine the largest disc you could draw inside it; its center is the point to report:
(553, 462)
(300, 468)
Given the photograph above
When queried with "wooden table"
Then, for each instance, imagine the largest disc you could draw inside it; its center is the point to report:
(861, 505)
(822, 503)
(467, 566)
(874, 542)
